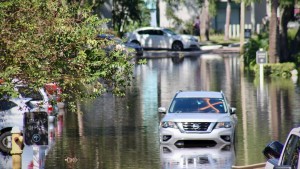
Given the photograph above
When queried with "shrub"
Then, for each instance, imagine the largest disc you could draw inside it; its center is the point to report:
(277, 69)
(250, 48)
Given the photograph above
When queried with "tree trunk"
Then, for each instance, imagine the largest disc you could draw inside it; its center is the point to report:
(285, 18)
(274, 33)
(242, 26)
(205, 25)
(253, 21)
(228, 14)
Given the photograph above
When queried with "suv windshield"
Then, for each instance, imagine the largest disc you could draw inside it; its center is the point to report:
(198, 105)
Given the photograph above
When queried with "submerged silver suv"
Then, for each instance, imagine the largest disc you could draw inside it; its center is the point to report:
(198, 117)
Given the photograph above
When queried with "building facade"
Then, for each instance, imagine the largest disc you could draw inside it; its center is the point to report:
(188, 10)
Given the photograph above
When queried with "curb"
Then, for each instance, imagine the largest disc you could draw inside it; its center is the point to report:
(168, 54)
(253, 166)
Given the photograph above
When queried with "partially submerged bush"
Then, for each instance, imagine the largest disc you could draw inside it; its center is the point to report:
(277, 69)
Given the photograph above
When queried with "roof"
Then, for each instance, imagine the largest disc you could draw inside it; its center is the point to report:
(199, 94)
(146, 28)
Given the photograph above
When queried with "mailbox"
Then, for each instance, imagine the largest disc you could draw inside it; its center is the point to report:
(261, 57)
(248, 33)
(36, 128)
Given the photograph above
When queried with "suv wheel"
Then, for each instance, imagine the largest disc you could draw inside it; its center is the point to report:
(5, 142)
(177, 46)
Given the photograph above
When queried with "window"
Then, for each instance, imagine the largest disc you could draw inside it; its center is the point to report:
(6, 105)
(159, 32)
(291, 152)
(198, 105)
(144, 32)
(170, 32)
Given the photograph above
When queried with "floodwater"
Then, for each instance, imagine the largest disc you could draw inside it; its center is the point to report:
(122, 133)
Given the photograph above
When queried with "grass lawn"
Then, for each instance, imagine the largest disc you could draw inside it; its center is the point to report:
(218, 39)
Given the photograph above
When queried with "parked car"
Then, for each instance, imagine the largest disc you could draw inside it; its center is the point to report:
(162, 38)
(133, 48)
(284, 156)
(198, 117)
(11, 115)
(39, 98)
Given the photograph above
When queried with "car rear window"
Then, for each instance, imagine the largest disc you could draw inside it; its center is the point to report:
(6, 104)
(198, 105)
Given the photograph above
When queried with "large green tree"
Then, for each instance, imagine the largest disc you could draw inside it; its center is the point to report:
(44, 41)
(129, 14)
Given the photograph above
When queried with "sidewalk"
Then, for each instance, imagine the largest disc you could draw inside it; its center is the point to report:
(219, 49)
(206, 48)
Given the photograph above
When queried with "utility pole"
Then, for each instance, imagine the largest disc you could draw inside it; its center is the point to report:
(242, 26)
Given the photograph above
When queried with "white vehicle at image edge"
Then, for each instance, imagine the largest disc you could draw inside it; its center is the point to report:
(39, 99)
(284, 156)
(162, 38)
(11, 115)
(198, 117)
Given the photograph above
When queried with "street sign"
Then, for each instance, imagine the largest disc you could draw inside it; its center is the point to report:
(247, 33)
(261, 57)
(36, 128)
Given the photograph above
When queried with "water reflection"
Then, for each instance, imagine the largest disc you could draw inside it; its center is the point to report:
(219, 156)
(266, 114)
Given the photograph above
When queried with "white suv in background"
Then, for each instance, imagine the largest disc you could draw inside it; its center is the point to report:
(162, 38)
(198, 117)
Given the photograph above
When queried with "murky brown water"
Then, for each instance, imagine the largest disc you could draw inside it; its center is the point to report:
(122, 133)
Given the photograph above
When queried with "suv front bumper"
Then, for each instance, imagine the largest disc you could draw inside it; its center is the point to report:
(217, 136)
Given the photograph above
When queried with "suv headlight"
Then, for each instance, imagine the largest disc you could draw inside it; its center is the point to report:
(168, 124)
(223, 125)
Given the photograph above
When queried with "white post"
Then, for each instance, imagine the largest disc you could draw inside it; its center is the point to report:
(230, 31)
(258, 28)
(261, 76)
(234, 31)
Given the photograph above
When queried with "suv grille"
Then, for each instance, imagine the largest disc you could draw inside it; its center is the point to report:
(196, 126)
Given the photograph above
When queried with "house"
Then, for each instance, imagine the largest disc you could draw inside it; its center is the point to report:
(187, 11)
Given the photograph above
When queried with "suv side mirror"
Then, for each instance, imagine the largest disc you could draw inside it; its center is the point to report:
(273, 150)
(162, 110)
(233, 109)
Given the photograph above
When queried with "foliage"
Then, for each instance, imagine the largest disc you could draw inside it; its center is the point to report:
(129, 15)
(172, 8)
(277, 69)
(218, 38)
(171, 14)
(47, 41)
(253, 45)
(297, 60)
(212, 7)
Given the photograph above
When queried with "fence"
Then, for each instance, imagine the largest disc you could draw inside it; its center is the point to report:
(234, 30)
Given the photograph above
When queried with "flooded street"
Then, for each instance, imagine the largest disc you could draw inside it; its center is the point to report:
(122, 133)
